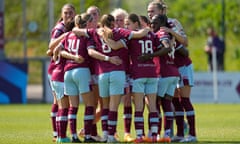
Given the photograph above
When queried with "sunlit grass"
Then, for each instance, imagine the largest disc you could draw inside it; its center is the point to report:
(215, 123)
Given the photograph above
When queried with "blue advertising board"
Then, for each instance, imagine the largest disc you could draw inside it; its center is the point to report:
(13, 82)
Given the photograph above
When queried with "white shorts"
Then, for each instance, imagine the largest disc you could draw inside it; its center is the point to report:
(77, 81)
(58, 88)
(167, 85)
(186, 76)
(145, 85)
(111, 83)
(50, 81)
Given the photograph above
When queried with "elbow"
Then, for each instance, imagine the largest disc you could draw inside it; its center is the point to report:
(49, 52)
(91, 52)
(51, 46)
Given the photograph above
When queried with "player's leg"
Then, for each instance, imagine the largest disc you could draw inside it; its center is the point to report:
(138, 116)
(71, 89)
(127, 115)
(167, 88)
(151, 86)
(158, 108)
(179, 116)
(62, 119)
(63, 104)
(98, 107)
(190, 113)
(103, 81)
(98, 101)
(104, 118)
(116, 88)
(153, 117)
(88, 115)
(185, 92)
(54, 110)
(72, 116)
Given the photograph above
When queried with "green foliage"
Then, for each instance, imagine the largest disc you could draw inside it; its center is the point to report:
(197, 15)
(194, 15)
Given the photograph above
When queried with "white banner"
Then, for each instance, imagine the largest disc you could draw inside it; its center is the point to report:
(228, 88)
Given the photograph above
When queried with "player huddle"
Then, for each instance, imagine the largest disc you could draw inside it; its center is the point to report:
(120, 57)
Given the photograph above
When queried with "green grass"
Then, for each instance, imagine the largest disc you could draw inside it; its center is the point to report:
(23, 124)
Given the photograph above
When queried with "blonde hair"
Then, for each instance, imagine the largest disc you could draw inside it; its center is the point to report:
(81, 20)
(119, 11)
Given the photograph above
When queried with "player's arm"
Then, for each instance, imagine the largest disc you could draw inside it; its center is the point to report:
(67, 55)
(115, 45)
(54, 42)
(56, 52)
(141, 33)
(97, 55)
(163, 50)
(60, 52)
(183, 51)
(80, 32)
(49, 52)
(181, 38)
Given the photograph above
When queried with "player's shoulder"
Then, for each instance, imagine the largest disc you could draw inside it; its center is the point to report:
(59, 26)
(174, 21)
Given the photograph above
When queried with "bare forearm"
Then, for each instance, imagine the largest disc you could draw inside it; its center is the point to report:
(67, 55)
(161, 52)
(183, 40)
(141, 33)
(115, 44)
(97, 55)
(55, 42)
(76, 58)
(80, 32)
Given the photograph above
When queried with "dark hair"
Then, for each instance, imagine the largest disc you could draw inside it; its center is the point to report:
(161, 19)
(106, 20)
(162, 3)
(145, 19)
(134, 18)
(158, 5)
(81, 20)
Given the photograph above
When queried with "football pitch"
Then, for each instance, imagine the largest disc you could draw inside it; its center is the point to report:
(30, 123)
